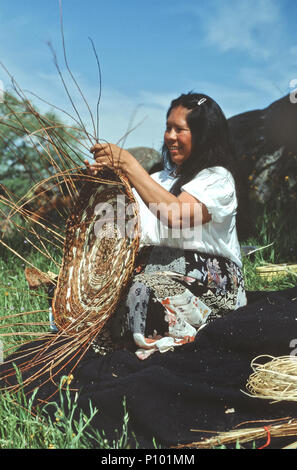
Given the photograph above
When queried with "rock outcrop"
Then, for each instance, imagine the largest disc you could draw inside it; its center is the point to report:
(149, 158)
(263, 140)
(265, 143)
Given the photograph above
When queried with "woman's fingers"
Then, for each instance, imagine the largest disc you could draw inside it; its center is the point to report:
(106, 155)
(93, 169)
(105, 160)
(101, 149)
(104, 150)
(97, 165)
(88, 168)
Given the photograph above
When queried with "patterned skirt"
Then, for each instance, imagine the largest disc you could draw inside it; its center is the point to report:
(173, 294)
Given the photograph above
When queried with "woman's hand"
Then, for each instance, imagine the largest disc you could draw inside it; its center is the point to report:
(110, 156)
(172, 210)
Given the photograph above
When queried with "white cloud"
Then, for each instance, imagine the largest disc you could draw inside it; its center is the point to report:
(248, 26)
(263, 82)
(244, 25)
(230, 99)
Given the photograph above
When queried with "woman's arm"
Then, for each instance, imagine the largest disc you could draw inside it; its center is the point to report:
(181, 211)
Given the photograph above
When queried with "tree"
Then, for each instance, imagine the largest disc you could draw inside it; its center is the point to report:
(33, 146)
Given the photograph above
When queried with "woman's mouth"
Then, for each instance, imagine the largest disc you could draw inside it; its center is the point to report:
(174, 149)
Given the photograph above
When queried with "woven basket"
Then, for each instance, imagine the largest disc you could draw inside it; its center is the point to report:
(99, 255)
(275, 271)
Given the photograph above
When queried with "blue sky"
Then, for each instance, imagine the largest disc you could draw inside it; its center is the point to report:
(243, 53)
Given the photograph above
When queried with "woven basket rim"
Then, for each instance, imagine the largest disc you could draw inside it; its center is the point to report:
(276, 268)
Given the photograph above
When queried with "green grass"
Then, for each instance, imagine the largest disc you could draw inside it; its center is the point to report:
(21, 426)
(17, 298)
(25, 427)
(253, 282)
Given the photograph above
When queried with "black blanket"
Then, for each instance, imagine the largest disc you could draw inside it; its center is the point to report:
(168, 395)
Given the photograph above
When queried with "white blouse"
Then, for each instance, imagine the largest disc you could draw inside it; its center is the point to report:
(215, 188)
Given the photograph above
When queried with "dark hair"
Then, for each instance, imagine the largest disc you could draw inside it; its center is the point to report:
(211, 143)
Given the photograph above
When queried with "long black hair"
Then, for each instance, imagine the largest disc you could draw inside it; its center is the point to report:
(211, 143)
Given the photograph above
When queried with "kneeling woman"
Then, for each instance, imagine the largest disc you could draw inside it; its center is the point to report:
(189, 265)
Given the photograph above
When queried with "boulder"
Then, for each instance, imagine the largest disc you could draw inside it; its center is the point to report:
(149, 158)
(265, 143)
(264, 140)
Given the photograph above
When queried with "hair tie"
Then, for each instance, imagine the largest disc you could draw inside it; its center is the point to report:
(201, 101)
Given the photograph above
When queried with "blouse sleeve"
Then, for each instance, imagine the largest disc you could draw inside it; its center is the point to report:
(215, 188)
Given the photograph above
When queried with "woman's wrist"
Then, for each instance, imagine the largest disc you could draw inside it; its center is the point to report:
(126, 161)
(130, 166)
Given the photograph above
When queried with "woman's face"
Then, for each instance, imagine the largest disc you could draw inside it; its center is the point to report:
(178, 137)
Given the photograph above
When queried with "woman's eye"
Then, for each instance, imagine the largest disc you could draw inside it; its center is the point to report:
(176, 129)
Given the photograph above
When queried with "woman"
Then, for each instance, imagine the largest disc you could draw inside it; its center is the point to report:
(190, 263)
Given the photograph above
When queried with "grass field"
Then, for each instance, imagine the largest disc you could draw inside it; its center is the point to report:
(21, 427)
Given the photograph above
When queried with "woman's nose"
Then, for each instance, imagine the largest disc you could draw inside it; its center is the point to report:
(171, 134)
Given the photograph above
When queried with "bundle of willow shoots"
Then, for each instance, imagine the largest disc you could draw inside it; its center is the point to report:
(274, 378)
(265, 432)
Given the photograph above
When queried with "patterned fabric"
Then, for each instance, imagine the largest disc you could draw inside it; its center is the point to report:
(173, 294)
